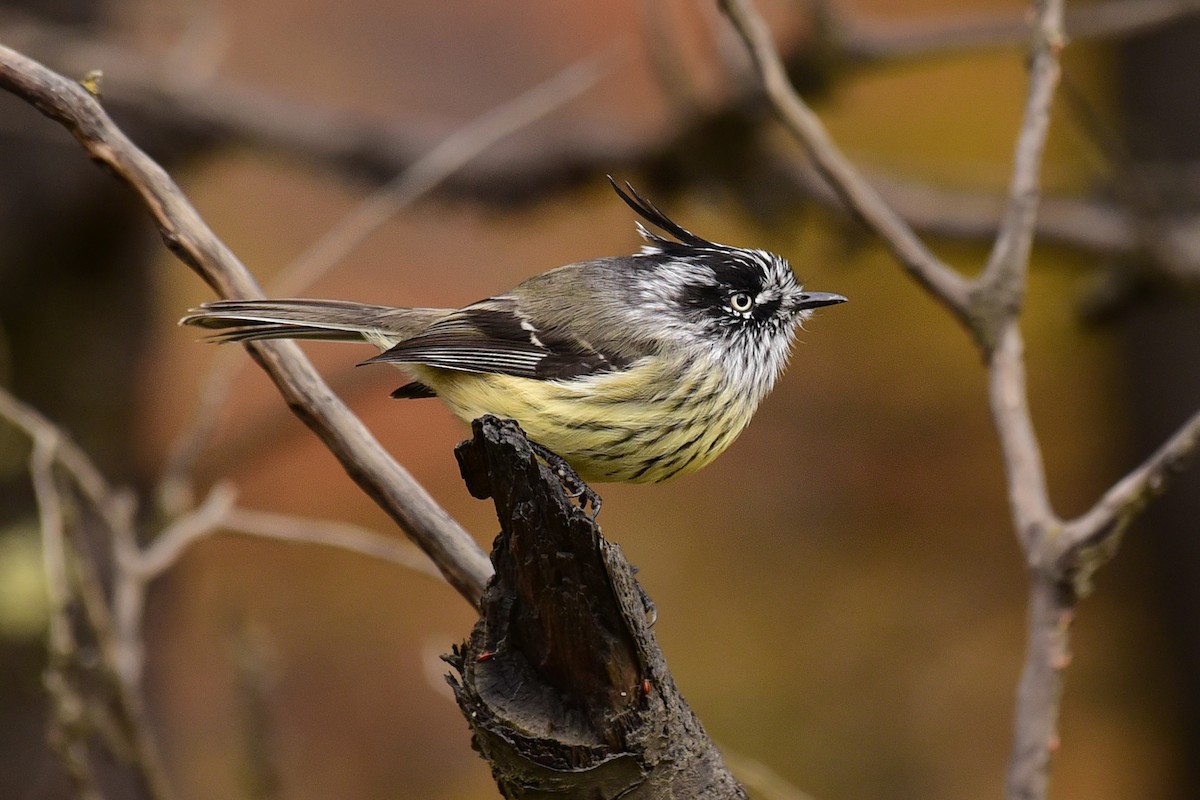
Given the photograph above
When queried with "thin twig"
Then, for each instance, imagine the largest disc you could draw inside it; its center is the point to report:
(125, 727)
(167, 547)
(120, 664)
(54, 541)
(452, 549)
(51, 447)
(69, 734)
(73, 722)
(1000, 290)
(1129, 495)
(113, 506)
(340, 535)
(1002, 284)
(218, 514)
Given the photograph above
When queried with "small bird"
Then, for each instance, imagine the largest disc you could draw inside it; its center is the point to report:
(630, 368)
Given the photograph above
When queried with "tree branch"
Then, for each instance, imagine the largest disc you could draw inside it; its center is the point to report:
(77, 716)
(1121, 503)
(1026, 478)
(82, 711)
(999, 290)
(562, 682)
(450, 547)
(68, 734)
(1039, 693)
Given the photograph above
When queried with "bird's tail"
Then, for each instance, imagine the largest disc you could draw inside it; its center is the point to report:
(326, 320)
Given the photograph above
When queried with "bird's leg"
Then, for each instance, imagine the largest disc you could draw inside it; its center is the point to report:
(572, 483)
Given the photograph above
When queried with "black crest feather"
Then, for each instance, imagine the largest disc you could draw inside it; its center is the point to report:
(649, 212)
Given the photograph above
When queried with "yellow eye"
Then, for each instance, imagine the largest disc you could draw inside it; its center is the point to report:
(741, 302)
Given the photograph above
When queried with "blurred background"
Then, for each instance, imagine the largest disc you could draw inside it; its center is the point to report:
(841, 596)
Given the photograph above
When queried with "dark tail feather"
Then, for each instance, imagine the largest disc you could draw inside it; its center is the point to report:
(324, 320)
(413, 391)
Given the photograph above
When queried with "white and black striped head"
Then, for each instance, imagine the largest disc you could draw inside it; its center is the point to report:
(746, 300)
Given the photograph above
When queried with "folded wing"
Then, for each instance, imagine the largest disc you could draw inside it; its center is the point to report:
(495, 336)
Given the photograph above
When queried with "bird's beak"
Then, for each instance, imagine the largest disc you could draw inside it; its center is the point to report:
(817, 299)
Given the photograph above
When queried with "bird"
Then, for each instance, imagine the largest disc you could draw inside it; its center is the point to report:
(635, 368)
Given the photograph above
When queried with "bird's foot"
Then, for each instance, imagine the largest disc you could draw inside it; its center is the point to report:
(572, 483)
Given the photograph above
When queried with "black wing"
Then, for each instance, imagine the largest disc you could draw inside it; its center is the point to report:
(494, 336)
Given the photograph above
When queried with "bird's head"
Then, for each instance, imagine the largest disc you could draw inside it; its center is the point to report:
(725, 294)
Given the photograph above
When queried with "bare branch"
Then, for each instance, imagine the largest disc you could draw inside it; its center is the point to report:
(74, 719)
(996, 300)
(54, 540)
(339, 535)
(859, 197)
(69, 735)
(1002, 284)
(1026, 478)
(166, 549)
(996, 295)
(456, 554)
(218, 513)
(1039, 692)
(124, 727)
(113, 506)
(132, 736)
(1129, 496)
(990, 307)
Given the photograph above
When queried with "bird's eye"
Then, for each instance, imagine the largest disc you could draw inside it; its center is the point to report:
(741, 302)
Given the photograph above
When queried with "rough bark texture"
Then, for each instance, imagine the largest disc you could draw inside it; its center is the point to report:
(562, 682)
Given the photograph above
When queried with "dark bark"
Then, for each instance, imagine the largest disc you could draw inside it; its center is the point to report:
(562, 682)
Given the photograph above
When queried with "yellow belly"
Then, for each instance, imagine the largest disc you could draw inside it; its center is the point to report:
(609, 426)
